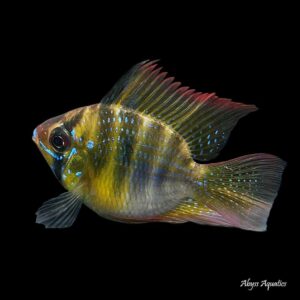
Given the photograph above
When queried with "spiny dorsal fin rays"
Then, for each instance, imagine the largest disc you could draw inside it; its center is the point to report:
(180, 116)
(153, 90)
(116, 94)
(172, 101)
(157, 97)
(143, 91)
(177, 105)
(204, 120)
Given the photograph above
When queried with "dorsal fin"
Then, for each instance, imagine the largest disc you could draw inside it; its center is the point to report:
(204, 120)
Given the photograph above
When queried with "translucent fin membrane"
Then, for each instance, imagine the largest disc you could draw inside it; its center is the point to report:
(59, 212)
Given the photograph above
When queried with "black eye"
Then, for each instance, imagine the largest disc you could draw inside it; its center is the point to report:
(59, 139)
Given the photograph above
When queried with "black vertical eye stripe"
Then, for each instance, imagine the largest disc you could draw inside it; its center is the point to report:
(67, 126)
(71, 123)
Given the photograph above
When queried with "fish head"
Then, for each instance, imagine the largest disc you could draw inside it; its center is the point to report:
(62, 150)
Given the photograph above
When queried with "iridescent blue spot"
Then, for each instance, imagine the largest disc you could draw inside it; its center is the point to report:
(78, 174)
(54, 155)
(208, 137)
(217, 131)
(73, 133)
(64, 177)
(215, 140)
(199, 183)
(120, 119)
(90, 144)
(208, 143)
(73, 151)
(132, 120)
(126, 120)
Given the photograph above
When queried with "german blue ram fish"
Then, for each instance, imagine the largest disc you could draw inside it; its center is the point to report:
(132, 158)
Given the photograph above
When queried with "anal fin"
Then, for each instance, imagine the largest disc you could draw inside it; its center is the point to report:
(191, 210)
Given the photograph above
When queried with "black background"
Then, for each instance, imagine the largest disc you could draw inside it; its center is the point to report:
(63, 59)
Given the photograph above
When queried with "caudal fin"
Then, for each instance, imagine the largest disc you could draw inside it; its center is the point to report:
(242, 190)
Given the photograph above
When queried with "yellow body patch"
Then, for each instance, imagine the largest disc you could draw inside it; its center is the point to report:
(100, 182)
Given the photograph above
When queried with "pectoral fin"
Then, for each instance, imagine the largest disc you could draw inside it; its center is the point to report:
(59, 212)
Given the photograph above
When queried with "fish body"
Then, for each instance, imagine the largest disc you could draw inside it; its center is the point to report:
(130, 158)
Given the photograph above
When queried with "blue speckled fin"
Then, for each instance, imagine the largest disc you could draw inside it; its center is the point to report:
(59, 212)
(242, 190)
(204, 120)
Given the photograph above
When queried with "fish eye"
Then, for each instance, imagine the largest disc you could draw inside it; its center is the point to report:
(59, 139)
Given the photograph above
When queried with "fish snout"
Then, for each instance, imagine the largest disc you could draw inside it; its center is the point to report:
(35, 136)
(39, 133)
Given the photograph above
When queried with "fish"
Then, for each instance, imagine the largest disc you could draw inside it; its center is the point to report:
(142, 155)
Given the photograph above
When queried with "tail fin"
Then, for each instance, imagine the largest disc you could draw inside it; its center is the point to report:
(242, 190)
